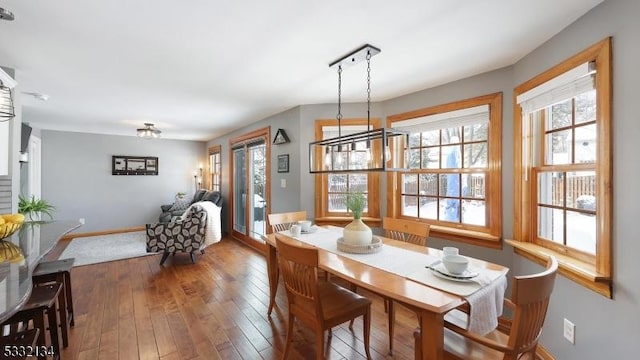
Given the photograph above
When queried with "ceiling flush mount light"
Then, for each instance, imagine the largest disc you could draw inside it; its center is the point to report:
(6, 15)
(149, 131)
(379, 149)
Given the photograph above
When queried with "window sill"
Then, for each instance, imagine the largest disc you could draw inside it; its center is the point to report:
(582, 273)
(466, 236)
(344, 221)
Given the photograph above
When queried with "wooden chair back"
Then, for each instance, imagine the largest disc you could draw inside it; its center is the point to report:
(282, 221)
(514, 339)
(530, 297)
(414, 232)
(299, 269)
(306, 294)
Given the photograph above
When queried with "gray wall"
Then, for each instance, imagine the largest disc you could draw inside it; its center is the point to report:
(604, 328)
(76, 177)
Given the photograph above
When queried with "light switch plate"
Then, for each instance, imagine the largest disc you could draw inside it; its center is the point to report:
(569, 331)
(283, 183)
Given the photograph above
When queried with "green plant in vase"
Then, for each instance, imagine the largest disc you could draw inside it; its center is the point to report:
(32, 207)
(357, 232)
(356, 202)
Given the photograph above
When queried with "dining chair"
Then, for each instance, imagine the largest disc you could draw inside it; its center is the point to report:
(282, 221)
(409, 231)
(515, 338)
(319, 304)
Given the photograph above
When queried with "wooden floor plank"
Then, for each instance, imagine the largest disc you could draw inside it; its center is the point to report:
(108, 345)
(213, 309)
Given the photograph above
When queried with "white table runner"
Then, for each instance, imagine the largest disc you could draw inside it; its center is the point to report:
(485, 305)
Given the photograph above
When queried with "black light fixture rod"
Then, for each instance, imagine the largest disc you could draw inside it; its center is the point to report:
(339, 116)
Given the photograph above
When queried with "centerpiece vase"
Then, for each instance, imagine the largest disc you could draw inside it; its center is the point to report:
(357, 233)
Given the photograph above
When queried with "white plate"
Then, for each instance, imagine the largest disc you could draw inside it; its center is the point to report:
(311, 230)
(441, 272)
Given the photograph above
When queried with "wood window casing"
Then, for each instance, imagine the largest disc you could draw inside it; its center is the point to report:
(322, 214)
(489, 235)
(593, 272)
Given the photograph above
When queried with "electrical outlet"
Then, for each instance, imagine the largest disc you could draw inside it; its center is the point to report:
(569, 331)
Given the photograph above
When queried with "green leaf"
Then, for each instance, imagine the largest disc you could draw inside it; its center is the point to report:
(32, 206)
(356, 202)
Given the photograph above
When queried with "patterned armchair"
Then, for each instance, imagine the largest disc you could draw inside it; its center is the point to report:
(181, 235)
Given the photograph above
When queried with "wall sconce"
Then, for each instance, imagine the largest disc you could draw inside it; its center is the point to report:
(197, 180)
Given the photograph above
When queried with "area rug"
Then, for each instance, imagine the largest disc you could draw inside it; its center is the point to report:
(103, 248)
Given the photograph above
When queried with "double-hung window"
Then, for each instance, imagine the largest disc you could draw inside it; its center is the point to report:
(215, 166)
(563, 166)
(453, 182)
(332, 188)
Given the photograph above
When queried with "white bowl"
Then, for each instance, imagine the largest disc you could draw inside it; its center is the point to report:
(455, 264)
(305, 225)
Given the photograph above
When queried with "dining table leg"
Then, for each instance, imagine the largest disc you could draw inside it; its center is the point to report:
(272, 271)
(431, 335)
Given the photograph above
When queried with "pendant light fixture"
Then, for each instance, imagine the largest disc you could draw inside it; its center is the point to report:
(379, 149)
(149, 131)
(6, 103)
(7, 111)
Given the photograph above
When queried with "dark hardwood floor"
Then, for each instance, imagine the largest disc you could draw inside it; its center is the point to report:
(214, 309)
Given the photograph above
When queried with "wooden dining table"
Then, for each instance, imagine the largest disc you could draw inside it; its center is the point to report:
(430, 304)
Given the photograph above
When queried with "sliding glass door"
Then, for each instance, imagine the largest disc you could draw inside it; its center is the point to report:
(250, 164)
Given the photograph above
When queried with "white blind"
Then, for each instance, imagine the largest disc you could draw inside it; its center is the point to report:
(456, 118)
(329, 132)
(565, 86)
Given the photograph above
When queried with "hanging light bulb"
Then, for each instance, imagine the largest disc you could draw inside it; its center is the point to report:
(368, 156)
(339, 157)
(353, 156)
(327, 157)
(387, 152)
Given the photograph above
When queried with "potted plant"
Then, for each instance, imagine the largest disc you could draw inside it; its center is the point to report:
(357, 232)
(32, 208)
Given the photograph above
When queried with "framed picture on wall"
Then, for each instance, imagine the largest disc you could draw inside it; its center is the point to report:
(283, 163)
(134, 165)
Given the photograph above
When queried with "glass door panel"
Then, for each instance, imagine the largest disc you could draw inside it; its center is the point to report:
(257, 193)
(239, 194)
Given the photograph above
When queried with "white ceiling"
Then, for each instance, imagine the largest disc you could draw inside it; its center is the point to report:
(200, 69)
